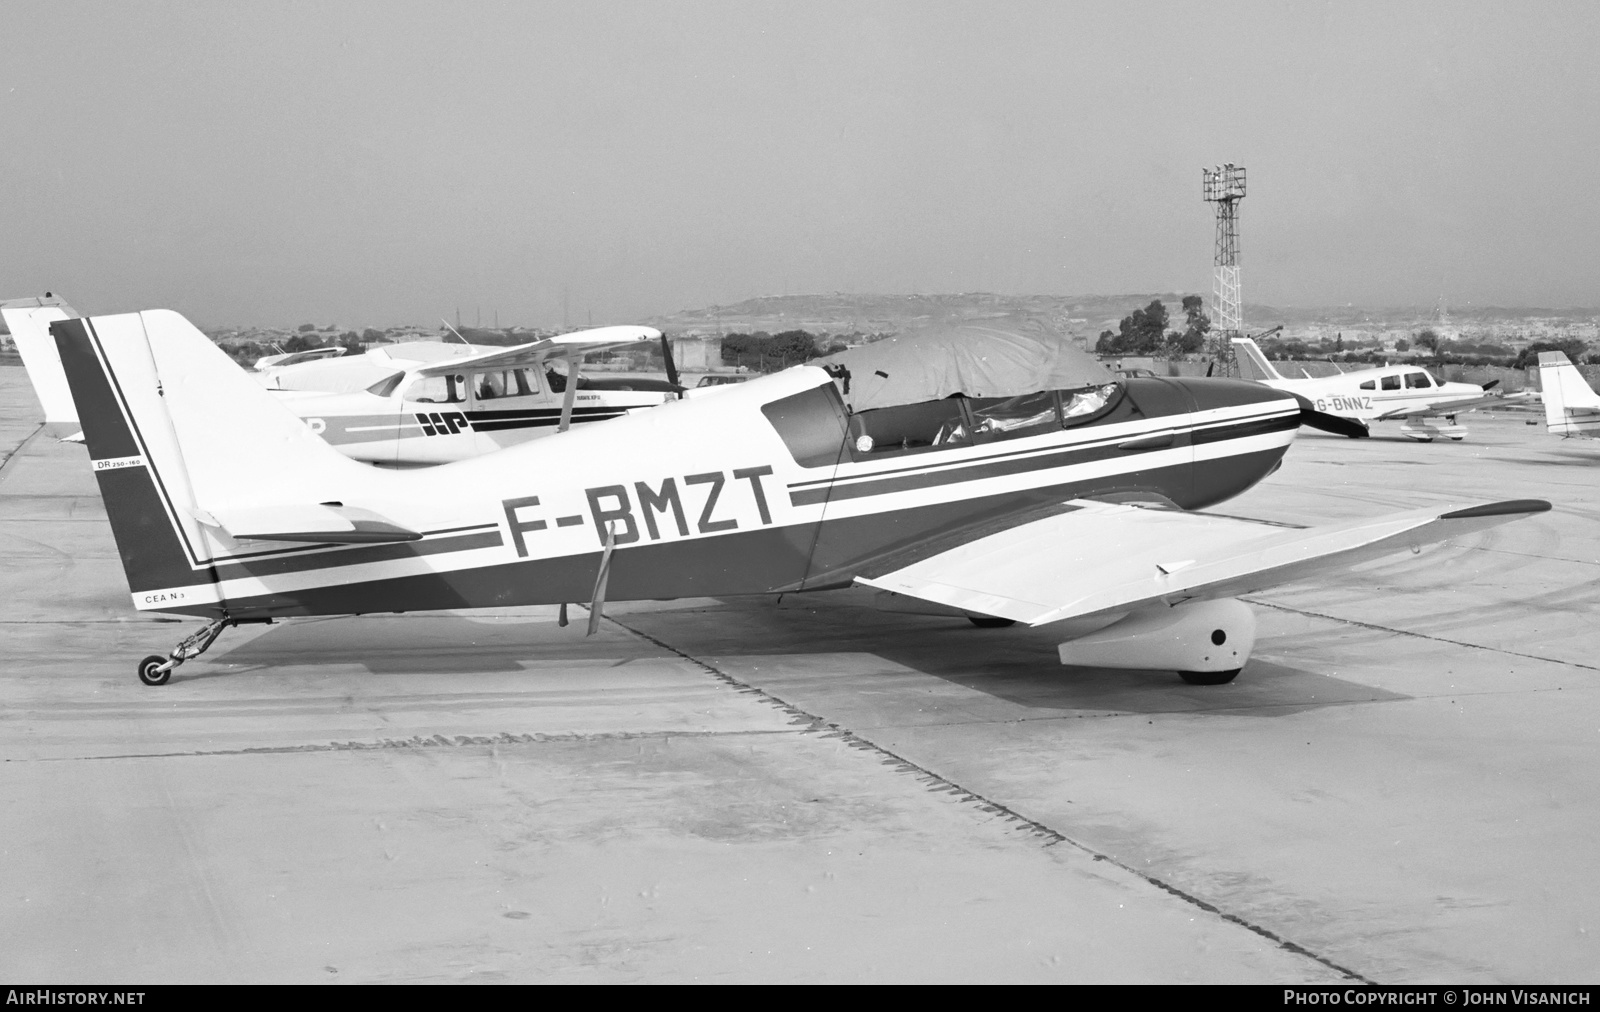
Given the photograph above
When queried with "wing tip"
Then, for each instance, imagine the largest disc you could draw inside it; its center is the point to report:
(1507, 507)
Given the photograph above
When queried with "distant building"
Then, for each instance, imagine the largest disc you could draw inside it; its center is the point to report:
(699, 352)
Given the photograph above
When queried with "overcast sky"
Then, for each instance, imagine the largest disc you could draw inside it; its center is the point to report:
(374, 164)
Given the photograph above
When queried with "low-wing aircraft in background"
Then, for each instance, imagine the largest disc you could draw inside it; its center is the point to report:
(1571, 407)
(404, 405)
(1065, 504)
(1407, 393)
(29, 321)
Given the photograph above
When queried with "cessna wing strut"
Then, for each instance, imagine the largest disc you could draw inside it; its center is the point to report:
(226, 507)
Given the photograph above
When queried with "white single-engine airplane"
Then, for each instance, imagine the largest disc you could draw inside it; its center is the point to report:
(1405, 392)
(434, 403)
(1571, 407)
(403, 405)
(1067, 507)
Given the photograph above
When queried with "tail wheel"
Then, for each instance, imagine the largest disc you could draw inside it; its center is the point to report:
(150, 673)
(1208, 677)
(990, 621)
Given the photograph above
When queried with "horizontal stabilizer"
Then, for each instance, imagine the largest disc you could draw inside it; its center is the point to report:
(319, 522)
(1099, 558)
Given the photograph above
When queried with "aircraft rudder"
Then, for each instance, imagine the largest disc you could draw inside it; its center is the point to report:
(138, 473)
(1256, 360)
(29, 320)
(239, 441)
(1563, 387)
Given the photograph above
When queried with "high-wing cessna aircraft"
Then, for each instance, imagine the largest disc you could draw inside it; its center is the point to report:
(1571, 407)
(1405, 392)
(404, 405)
(29, 322)
(1064, 503)
(435, 403)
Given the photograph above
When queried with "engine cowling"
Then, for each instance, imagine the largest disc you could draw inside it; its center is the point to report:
(1208, 637)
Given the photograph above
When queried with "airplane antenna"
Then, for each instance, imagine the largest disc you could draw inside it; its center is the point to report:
(454, 331)
(1224, 186)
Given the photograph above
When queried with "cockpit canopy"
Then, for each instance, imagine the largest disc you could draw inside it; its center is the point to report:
(988, 360)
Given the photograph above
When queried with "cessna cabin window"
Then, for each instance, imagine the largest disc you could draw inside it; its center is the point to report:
(385, 386)
(1370, 385)
(488, 386)
(437, 390)
(1417, 380)
(1391, 383)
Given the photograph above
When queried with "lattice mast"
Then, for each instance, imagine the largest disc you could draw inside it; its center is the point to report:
(1224, 186)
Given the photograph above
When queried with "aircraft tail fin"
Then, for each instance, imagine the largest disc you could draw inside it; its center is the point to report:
(29, 322)
(177, 433)
(1571, 407)
(1253, 364)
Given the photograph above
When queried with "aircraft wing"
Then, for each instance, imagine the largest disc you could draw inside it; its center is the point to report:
(580, 343)
(316, 522)
(1095, 558)
(1453, 407)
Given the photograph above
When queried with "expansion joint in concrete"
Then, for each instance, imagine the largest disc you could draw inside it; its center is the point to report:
(1421, 636)
(417, 742)
(936, 782)
(11, 454)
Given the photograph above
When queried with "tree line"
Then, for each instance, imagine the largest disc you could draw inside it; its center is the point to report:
(1439, 351)
(1145, 331)
(764, 352)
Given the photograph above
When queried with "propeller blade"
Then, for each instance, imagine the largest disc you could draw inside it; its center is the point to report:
(561, 618)
(672, 367)
(1336, 424)
(1491, 384)
(598, 605)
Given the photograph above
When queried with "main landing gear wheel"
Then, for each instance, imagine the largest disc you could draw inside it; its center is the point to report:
(990, 621)
(1208, 677)
(150, 672)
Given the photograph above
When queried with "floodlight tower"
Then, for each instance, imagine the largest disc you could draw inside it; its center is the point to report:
(1224, 186)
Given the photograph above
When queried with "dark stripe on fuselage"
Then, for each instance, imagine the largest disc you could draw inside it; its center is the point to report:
(1248, 427)
(766, 560)
(1029, 460)
(383, 428)
(497, 421)
(358, 555)
(326, 545)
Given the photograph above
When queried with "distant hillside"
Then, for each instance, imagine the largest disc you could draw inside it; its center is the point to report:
(843, 314)
(1078, 315)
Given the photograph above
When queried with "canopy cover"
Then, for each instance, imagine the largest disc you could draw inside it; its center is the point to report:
(976, 359)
